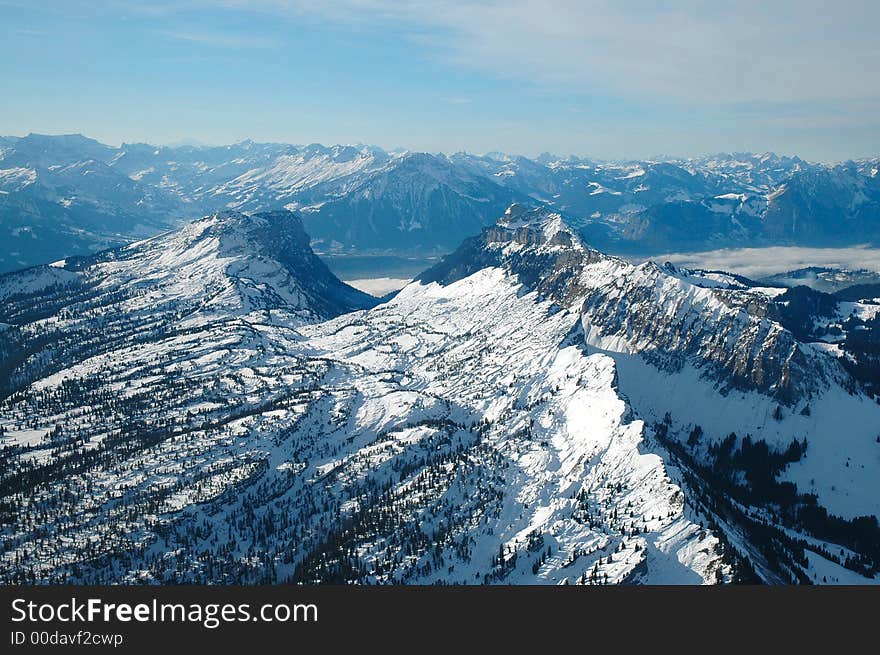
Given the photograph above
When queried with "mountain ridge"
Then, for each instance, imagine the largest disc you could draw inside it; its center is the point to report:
(530, 410)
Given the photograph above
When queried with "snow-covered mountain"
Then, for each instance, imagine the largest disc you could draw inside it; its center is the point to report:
(417, 202)
(60, 196)
(697, 204)
(197, 279)
(728, 379)
(65, 195)
(251, 176)
(210, 405)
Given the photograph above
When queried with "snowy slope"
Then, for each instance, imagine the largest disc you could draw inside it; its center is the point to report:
(206, 406)
(409, 443)
(711, 351)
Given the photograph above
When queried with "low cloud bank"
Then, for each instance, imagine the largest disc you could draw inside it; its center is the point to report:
(378, 286)
(761, 262)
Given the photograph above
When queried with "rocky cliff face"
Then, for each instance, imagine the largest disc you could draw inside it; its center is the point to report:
(728, 333)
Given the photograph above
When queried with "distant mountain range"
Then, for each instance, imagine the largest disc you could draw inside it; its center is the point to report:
(67, 195)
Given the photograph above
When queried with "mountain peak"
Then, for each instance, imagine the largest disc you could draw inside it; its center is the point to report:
(229, 221)
(241, 262)
(534, 243)
(230, 233)
(534, 226)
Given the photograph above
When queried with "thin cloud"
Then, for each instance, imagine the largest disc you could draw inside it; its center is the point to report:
(806, 69)
(692, 51)
(219, 40)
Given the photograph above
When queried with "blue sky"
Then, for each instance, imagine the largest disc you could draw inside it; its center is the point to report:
(606, 79)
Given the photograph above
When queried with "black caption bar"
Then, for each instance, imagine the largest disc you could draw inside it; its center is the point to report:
(129, 619)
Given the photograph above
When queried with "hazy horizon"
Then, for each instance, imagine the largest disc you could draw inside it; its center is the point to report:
(195, 143)
(603, 80)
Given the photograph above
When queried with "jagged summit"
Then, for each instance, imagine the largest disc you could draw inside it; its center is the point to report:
(534, 243)
(534, 226)
(716, 323)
